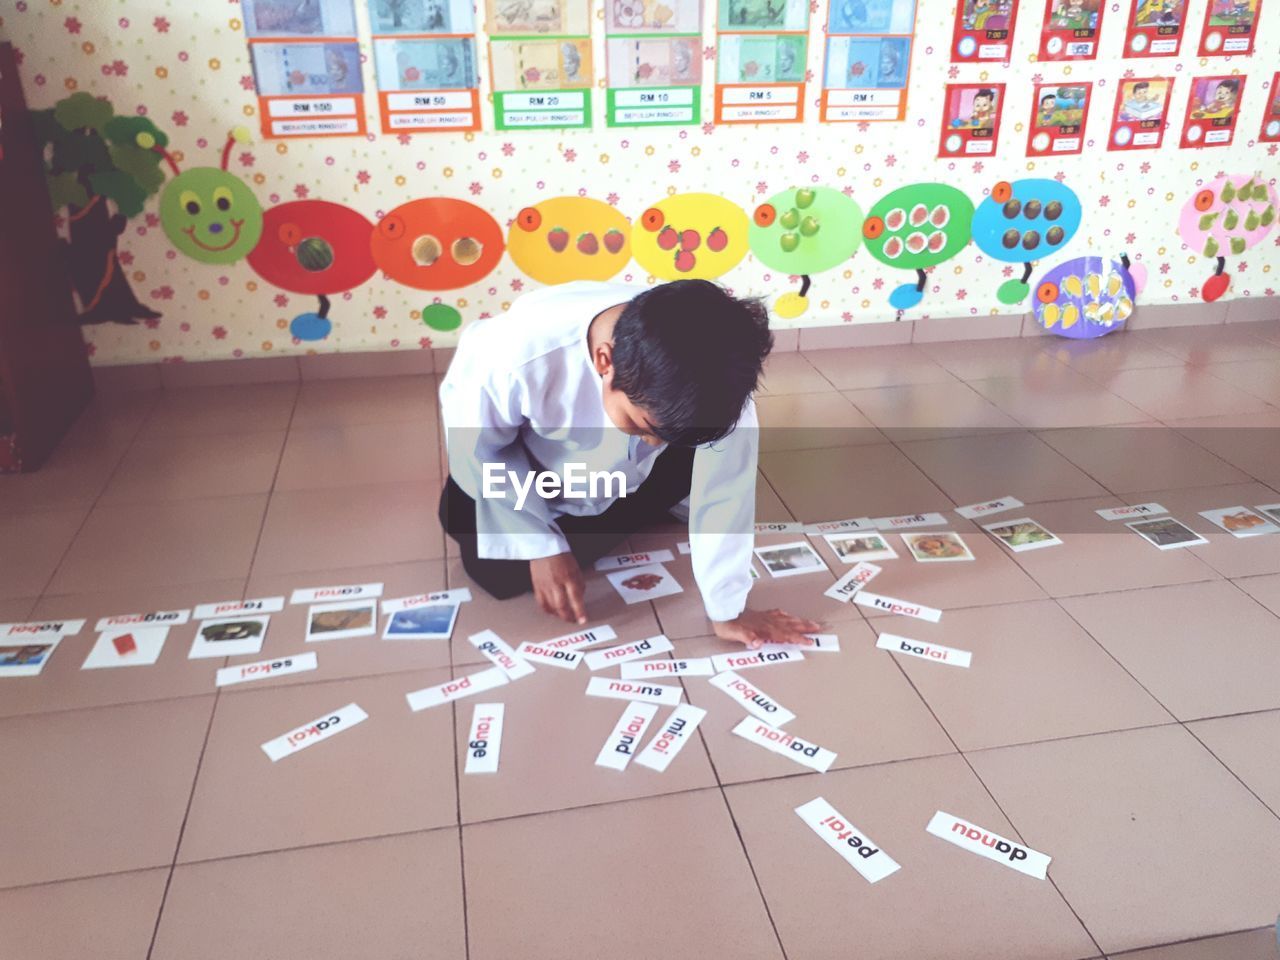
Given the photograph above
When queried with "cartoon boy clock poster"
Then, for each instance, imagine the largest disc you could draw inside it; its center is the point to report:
(1070, 30)
(1270, 132)
(1212, 111)
(1229, 27)
(971, 119)
(983, 30)
(1058, 113)
(1141, 114)
(1155, 28)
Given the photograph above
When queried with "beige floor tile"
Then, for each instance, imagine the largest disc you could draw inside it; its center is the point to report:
(46, 536)
(363, 401)
(805, 421)
(1169, 394)
(1258, 377)
(341, 455)
(1248, 745)
(1124, 459)
(858, 368)
(925, 411)
(983, 359)
(196, 411)
(1253, 945)
(1250, 441)
(1099, 358)
(192, 467)
(792, 372)
(1060, 397)
(1211, 344)
(1266, 590)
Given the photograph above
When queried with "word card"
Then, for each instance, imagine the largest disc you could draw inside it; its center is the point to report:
(625, 560)
(357, 591)
(855, 847)
(322, 728)
(670, 740)
(484, 742)
(633, 690)
(619, 748)
(442, 693)
(984, 843)
(1124, 513)
(848, 586)
(892, 605)
(600, 659)
(499, 652)
(697, 667)
(265, 669)
(231, 608)
(785, 653)
(909, 521)
(785, 744)
(167, 618)
(975, 510)
(751, 698)
(540, 653)
(925, 651)
(54, 628)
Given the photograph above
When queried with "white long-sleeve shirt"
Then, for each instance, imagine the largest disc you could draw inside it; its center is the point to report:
(522, 391)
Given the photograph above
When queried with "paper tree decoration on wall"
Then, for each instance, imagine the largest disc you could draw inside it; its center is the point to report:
(690, 236)
(916, 228)
(1225, 218)
(1085, 297)
(1023, 221)
(570, 238)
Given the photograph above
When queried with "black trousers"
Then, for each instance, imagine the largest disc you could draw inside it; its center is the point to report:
(589, 537)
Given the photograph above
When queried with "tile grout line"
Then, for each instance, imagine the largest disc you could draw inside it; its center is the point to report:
(457, 796)
(275, 476)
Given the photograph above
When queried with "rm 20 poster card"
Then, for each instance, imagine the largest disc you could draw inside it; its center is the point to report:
(1141, 113)
(983, 30)
(540, 63)
(1155, 28)
(1212, 111)
(971, 119)
(1058, 115)
(1070, 30)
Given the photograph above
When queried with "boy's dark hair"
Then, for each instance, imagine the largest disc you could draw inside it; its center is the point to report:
(1233, 85)
(1047, 96)
(985, 92)
(690, 354)
(1140, 85)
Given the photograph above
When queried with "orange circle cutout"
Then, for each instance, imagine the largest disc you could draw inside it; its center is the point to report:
(652, 219)
(469, 241)
(765, 215)
(289, 234)
(1204, 200)
(872, 228)
(529, 219)
(1002, 191)
(1047, 292)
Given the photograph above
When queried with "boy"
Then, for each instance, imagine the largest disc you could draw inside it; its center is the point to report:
(654, 384)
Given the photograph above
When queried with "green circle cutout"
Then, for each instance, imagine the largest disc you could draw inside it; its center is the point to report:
(441, 316)
(1012, 291)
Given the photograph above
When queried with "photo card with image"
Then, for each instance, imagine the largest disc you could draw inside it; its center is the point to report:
(338, 621)
(942, 547)
(1241, 521)
(853, 547)
(27, 659)
(229, 637)
(433, 621)
(1269, 510)
(639, 584)
(126, 647)
(1022, 535)
(790, 559)
(1166, 533)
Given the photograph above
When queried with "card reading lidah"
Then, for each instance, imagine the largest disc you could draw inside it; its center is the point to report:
(857, 849)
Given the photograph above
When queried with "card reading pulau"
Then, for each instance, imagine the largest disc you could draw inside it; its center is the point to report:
(620, 747)
(540, 653)
(975, 510)
(751, 698)
(857, 849)
(785, 744)
(634, 690)
(637, 650)
(696, 667)
(786, 653)
(671, 737)
(441, 693)
(624, 560)
(231, 608)
(893, 605)
(848, 586)
(266, 669)
(321, 728)
(1128, 513)
(354, 591)
(499, 652)
(484, 743)
(925, 651)
(984, 843)
(156, 618)
(909, 521)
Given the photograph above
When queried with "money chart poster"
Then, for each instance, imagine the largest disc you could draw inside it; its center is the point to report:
(306, 67)
(540, 63)
(761, 54)
(867, 62)
(424, 56)
(653, 62)
(983, 30)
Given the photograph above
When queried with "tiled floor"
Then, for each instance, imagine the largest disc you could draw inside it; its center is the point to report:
(1122, 713)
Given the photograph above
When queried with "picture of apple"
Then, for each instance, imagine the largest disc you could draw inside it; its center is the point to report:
(808, 226)
(804, 198)
(789, 242)
(791, 219)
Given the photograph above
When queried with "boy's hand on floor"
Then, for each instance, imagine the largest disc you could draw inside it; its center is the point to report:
(558, 587)
(755, 628)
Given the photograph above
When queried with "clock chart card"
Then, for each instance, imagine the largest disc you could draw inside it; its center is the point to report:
(424, 56)
(1212, 111)
(1270, 132)
(1229, 27)
(653, 62)
(540, 63)
(1155, 28)
(1070, 30)
(1141, 113)
(761, 55)
(983, 30)
(971, 119)
(867, 61)
(1058, 114)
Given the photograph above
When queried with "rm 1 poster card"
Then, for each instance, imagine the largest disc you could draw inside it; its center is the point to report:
(1155, 28)
(1070, 30)
(983, 30)
(1270, 132)
(1229, 28)
(1058, 114)
(1141, 114)
(1212, 111)
(971, 120)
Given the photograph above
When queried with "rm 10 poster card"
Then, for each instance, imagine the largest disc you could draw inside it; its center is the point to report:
(1070, 30)
(1155, 28)
(1141, 114)
(971, 120)
(1058, 116)
(983, 30)
(1212, 111)
(653, 60)
(1229, 27)
(1270, 132)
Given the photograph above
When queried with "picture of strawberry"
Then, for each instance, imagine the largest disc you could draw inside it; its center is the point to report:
(614, 240)
(558, 238)
(685, 261)
(690, 240)
(588, 244)
(717, 240)
(668, 238)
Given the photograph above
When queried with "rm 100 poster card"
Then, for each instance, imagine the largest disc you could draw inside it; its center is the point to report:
(1212, 111)
(1070, 30)
(1058, 116)
(971, 120)
(1141, 114)
(1155, 28)
(983, 30)
(1229, 27)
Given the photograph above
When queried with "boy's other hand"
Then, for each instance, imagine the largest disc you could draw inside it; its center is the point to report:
(755, 628)
(558, 587)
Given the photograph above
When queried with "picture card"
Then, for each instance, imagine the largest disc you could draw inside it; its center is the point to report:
(909, 521)
(322, 728)
(944, 547)
(338, 621)
(851, 525)
(790, 559)
(970, 128)
(1212, 111)
(581, 639)
(27, 659)
(893, 605)
(854, 846)
(819, 643)
(228, 608)
(433, 621)
(358, 591)
(484, 742)
(1166, 533)
(1240, 521)
(671, 738)
(1022, 535)
(852, 547)
(1270, 510)
(40, 628)
(1155, 28)
(777, 526)
(156, 618)
(746, 659)
(626, 560)
(984, 843)
(126, 647)
(751, 698)
(1270, 131)
(1137, 510)
(638, 650)
(983, 30)
(1141, 113)
(500, 654)
(785, 744)
(847, 587)
(620, 746)
(1229, 27)
(550, 656)
(453, 597)
(975, 510)
(265, 669)
(644, 583)
(1070, 30)
(925, 651)
(467, 686)
(634, 690)
(1059, 112)
(695, 667)
(229, 637)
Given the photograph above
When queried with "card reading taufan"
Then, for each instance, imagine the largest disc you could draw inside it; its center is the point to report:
(971, 120)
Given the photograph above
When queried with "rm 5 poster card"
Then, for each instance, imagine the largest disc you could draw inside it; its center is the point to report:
(1155, 28)
(983, 30)
(1229, 27)
(971, 120)
(1212, 111)
(1070, 30)
(1141, 114)
(1058, 114)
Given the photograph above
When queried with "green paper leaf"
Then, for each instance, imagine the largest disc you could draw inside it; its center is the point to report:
(120, 188)
(83, 110)
(78, 151)
(142, 165)
(125, 130)
(64, 189)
